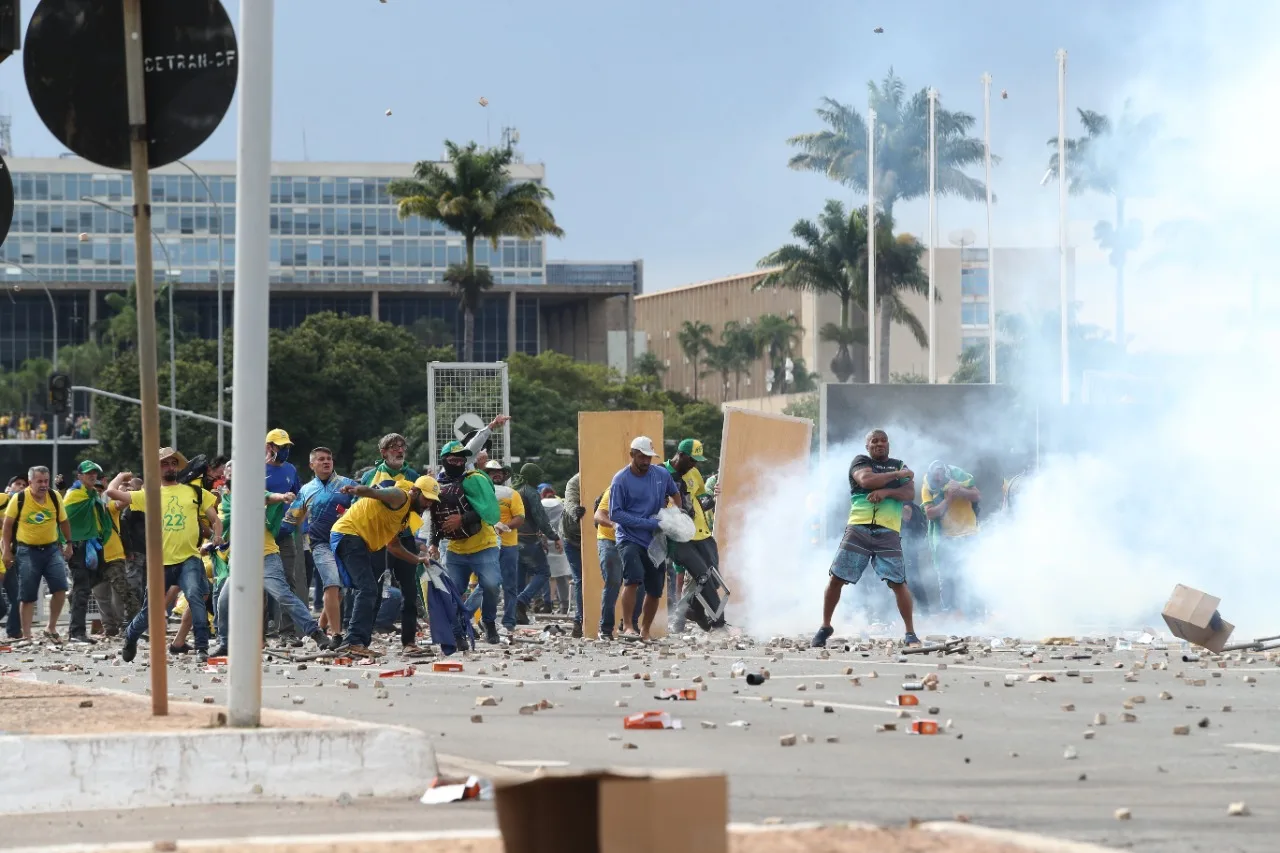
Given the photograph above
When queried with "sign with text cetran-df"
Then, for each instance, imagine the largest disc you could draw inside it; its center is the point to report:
(75, 70)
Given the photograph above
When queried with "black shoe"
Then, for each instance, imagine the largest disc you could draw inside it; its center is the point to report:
(491, 634)
(80, 637)
(179, 650)
(335, 642)
(130, 650)
(606, 635)
(202, 655)
(219, 652)
(291, 640)
(522, 614)
(577, 631)
(320, 637)
(820, 638)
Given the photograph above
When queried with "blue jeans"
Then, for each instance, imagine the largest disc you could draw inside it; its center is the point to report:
(39, 561)
(188, 576)
(278, 590)
(486, 566)
(611, 574)
(354, 559)
(573, 553)
(509, 562)
(534, 562)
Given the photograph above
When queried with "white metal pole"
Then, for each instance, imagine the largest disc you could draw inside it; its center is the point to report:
(991, 249)
(1062, 222)
(933, 231)
(249, 362)
(57, 427)
(871, 243)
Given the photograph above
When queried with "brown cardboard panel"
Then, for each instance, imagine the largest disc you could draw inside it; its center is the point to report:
(1193, 616)
(753, 445)
(615, 812)
(604, 444)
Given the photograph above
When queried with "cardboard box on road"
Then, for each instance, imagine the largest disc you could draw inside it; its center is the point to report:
(1193, 616)
(615, 811)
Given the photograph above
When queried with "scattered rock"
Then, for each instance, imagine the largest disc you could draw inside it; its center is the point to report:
(256, 789)
(299, 700)
(1166, 695)
(1182, 730)
(1068, 707)
(1099, 719)
(477, 718)
(1238, 810)
(1204, 723)
(1123, 814)
(1089, 734)
(526, 710)
(1070, 753)
(345, 799)
(707, 724)
(87, 703)
(887, 727)
(486, 702)
(629, 746)
(1128, 718)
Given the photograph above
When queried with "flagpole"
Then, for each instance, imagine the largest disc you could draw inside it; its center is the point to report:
(933, 231)
(991, 251)
(1062, 223)
(871, 243)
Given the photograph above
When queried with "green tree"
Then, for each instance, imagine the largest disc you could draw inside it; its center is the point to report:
(778, 338)
(695, 338)
(475, 197)
(649, 369)
(719, 361)
(434, 333)
(1117, 159)
(908, 379)
(902, 146)
(741, 346)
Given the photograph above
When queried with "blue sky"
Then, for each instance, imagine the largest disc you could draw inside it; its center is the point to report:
(663, 125)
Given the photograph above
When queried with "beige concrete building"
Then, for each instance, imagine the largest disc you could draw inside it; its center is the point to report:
(1026, 282)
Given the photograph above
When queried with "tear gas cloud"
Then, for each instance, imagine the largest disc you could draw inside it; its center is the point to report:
(1126, 501)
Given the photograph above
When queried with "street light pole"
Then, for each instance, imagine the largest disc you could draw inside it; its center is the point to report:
(221, 382)
(871, 244)
(991, 251)
(1062, 223)
(933, 231)
(53, 312)
(172, 283)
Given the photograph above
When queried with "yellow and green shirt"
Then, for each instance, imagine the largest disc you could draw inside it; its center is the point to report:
(510, 505)
(886, 513)
(113, 548)
(960, 519)
(39, 522)
(373, 521)
(179, 520)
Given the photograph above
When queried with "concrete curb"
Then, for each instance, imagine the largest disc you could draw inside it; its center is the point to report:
(54, 773)
(1029, 842)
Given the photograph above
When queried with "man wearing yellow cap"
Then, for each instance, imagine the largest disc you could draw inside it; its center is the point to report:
(282, 478)
(372, 524)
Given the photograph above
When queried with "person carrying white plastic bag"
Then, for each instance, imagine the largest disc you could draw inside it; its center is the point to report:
(673, 525)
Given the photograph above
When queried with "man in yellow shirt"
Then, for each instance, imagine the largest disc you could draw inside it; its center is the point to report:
(950, 498)
(184, 508)
(700, 556)
(510, 517)
(371, 524)
(611, 572)
(36, 521)
(117, 601)
(465, 513)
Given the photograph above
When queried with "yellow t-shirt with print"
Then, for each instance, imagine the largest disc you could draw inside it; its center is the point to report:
(180, 519)
(602, 532)
(959, 519)
(4, 502)
(373, 521)
(697, 487)
(510, 505)
(37, 525)
(113, 550)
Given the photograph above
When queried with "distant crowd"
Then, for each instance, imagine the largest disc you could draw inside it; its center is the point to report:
(24, 426)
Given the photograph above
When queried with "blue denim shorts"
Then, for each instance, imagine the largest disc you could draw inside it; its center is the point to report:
(326, 564)
(869, 545)
(36, 562)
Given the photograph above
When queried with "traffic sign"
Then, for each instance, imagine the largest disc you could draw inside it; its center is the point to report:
(467, 422)
(75, 70)
(6, 200)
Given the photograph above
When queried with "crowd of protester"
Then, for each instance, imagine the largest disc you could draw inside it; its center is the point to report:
(24, 426)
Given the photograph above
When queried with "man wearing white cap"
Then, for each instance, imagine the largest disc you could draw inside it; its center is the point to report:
(636, 495)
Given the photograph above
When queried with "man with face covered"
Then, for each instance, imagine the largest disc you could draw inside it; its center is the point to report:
(391, 469)
(183, 510)
(282, 477)
(878, 486)
(374, 523)
(465, 514)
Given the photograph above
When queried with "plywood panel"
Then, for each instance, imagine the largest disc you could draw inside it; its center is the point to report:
(754, 446)
(604, 447)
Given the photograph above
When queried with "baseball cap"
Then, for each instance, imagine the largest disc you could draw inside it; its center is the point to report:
(87, 466)
(454, 448)
(278, 437)
(692, 447)
(429, 487)
(542, 487)
(494, 465)
(645, 445)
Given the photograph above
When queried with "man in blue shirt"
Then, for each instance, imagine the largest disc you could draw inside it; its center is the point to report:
(320, 503)
(282, 478)
(636, 495)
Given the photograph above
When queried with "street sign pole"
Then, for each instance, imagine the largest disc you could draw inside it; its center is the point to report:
(149, 390)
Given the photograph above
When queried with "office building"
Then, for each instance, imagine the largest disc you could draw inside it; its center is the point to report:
(1026, 281)
(337, 244)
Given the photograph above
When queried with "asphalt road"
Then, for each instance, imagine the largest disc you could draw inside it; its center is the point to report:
(1001, 760)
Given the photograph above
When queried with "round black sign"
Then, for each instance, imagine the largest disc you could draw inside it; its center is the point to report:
(6, 200)
(74, 64)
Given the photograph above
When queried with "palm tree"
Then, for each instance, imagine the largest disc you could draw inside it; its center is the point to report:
(743, 349)
(1028, 352)
(695, 338)
(831, 257)
(474, 196)
(778, 338)
(719, 360)
(1115, 159)
(648, 366)
(902, 146)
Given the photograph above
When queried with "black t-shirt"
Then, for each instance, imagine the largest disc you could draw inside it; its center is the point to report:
(877, 467)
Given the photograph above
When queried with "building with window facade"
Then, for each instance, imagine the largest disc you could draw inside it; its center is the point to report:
(1026, 282)
(337, 244)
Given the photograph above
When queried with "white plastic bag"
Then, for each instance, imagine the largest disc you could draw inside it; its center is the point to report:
(658, 548)
(678, 526)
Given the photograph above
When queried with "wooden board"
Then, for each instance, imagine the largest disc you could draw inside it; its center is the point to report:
(604, 447)
(753, 447)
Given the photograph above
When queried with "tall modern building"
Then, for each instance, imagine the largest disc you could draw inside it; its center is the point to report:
(337, 244)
